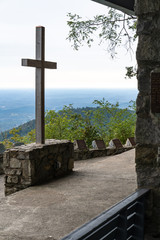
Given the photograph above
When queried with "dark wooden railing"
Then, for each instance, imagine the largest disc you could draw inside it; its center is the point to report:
(124, 221)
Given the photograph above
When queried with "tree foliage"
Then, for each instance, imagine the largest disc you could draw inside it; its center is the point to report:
(30, 137)
(66, 124)
(114, 29)
(106, 121)
(15, 137)
(120, 124)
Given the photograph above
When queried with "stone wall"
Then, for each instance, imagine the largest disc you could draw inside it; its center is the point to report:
(85, 154)
(1, 164)
(148, 123)
(93, 153)
(32, 164)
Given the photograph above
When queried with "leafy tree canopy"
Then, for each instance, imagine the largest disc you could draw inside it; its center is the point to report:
(114, 30)
(106, 121)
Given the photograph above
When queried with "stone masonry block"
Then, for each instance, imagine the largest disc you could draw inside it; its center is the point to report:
(145, 24)
(18, 172)
(53, 149)
(71, 150)
(59, 159)
(144, 79)
(13, 153)
(43, 152)
(147, 6)
(9, 171)
(15, 179)
(25, 182)
(148, 177)
(1, 169)
(148, 49)
(6, 158)
(110, 151)
(71, 164)
(21, 155)
(62, 148)
(156, 197)
(12, 179)
(26, 168)
(146, 155)
(147, 131)
(14, 163)
(143, 105)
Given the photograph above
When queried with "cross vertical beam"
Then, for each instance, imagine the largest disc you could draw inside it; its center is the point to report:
(40, 64)
(40, 86)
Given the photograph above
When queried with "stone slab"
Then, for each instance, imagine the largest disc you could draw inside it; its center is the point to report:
(80, 145)
(115, 143)
(18, 144)
(130, 142)
(99, 144)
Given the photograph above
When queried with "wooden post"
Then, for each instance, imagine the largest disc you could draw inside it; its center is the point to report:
(40, 64)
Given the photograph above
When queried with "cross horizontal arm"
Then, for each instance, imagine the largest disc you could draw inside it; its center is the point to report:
(39, 64)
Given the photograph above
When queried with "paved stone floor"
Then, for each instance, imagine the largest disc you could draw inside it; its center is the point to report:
(53, 210)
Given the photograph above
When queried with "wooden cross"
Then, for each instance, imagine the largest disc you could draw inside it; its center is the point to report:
(40, 64)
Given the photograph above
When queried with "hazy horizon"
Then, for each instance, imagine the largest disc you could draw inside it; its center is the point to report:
(19, 105)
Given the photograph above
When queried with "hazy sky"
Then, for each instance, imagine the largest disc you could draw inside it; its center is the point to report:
(87, 68)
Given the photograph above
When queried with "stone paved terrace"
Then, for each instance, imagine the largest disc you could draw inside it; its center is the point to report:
(53, 210)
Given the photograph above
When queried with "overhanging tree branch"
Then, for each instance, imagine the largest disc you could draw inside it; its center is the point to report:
(112, 29)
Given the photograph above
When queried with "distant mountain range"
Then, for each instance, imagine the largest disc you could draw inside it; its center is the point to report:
(14, 117)
(27, 127)
(17, 106)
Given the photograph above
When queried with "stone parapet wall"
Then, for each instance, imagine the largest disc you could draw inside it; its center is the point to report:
(93, 153)
(84, 154)
(32, 164)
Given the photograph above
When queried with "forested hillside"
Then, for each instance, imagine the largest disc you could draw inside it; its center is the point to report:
(24, 130)
(106, 121)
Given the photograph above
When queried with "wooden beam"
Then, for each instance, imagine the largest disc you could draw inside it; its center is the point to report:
(126, 6)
